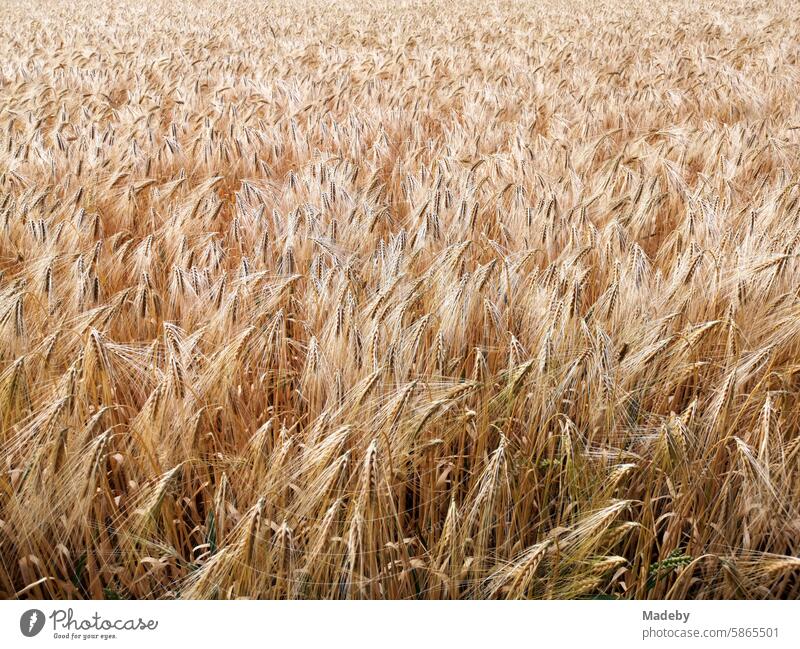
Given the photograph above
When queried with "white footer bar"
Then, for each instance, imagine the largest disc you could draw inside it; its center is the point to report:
(406, 625)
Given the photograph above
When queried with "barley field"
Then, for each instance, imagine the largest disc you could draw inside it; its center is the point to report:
(453, 299)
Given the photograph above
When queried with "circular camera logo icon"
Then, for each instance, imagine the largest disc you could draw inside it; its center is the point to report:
(31, 622)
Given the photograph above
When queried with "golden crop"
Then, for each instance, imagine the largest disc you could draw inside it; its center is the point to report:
(455, 299)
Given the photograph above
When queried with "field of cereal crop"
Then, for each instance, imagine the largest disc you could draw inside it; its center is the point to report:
(475, 299)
